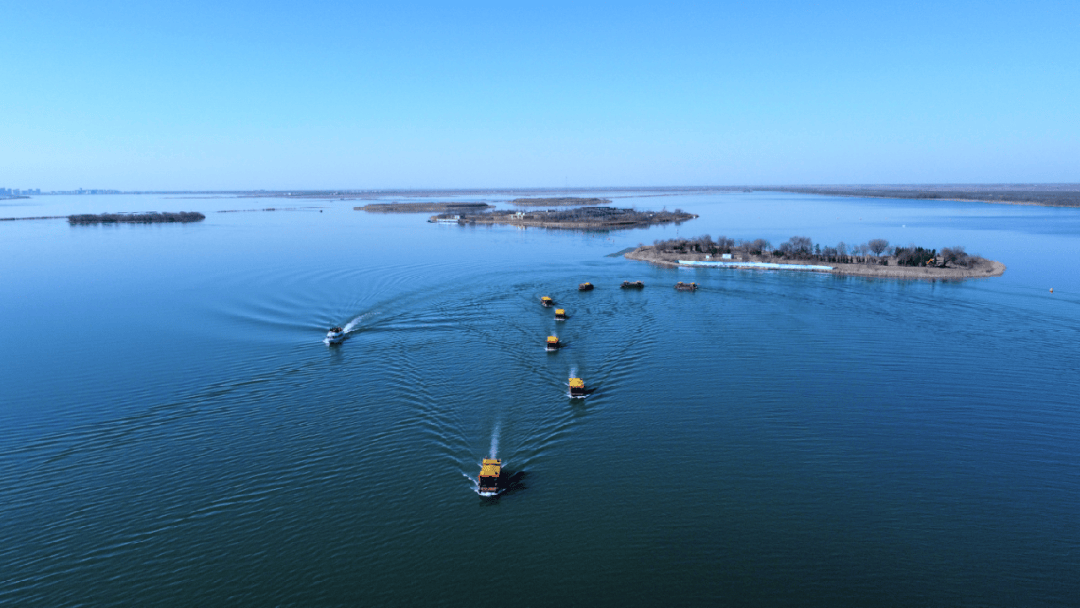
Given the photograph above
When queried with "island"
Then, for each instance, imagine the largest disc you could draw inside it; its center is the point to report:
(582, 218)
(424, 207)
(875, 258)
(563, 201)
(153, 217)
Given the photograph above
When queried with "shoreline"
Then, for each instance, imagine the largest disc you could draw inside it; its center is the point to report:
(989, 269)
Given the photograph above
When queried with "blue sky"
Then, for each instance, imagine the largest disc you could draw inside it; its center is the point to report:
(233, 95)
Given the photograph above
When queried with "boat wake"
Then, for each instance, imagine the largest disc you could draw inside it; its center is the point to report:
(338, 337)
(495, 441)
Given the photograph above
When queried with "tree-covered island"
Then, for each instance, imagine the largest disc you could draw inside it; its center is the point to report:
(875, 258)
(582, 218)
(154, 217)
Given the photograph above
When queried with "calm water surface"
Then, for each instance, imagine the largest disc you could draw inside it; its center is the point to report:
(176, 433)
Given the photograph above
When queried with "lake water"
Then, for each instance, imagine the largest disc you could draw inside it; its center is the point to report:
(176, 433)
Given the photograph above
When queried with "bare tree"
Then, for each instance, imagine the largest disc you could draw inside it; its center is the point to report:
(797, 247)
(955, 256)
(878, 246)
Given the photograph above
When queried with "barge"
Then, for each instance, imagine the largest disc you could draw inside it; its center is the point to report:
(490, 472)
(686, 286)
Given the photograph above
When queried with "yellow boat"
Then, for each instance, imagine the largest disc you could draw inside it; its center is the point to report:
(547, 302)
(490, 471)
(560, 314)
(553, 343)
(577, 387)
(586, 286)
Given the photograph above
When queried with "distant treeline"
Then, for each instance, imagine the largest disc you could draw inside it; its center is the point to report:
(39, 217)
(875, 251)
(563, 201)
(136, 218)
(1048, 197)
(423, 207)
(268, 209)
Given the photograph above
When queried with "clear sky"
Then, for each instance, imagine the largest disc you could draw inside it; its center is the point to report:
(233, 95)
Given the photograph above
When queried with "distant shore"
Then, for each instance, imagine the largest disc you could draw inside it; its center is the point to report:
(1045, 195)
(561, 201)
(423, 207)
(981, 269)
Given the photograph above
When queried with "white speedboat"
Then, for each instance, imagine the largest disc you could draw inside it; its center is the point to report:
(335, 336)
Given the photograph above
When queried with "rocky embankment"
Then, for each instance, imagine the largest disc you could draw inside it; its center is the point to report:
(979, 268)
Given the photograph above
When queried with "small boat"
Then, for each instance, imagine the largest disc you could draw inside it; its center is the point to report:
(577, 387)
(490, 471)
(585, 286)
(335, 336)
(633, 285)
(547, 302)
(560, 314)
(553, 343)
(686, 286)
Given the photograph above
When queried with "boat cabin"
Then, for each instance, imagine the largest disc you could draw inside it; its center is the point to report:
(490, 471)
(577, 387)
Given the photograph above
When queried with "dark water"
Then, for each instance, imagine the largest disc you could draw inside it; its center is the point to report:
(175, 432)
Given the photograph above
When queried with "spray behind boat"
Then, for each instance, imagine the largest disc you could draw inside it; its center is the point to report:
(491, 467)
